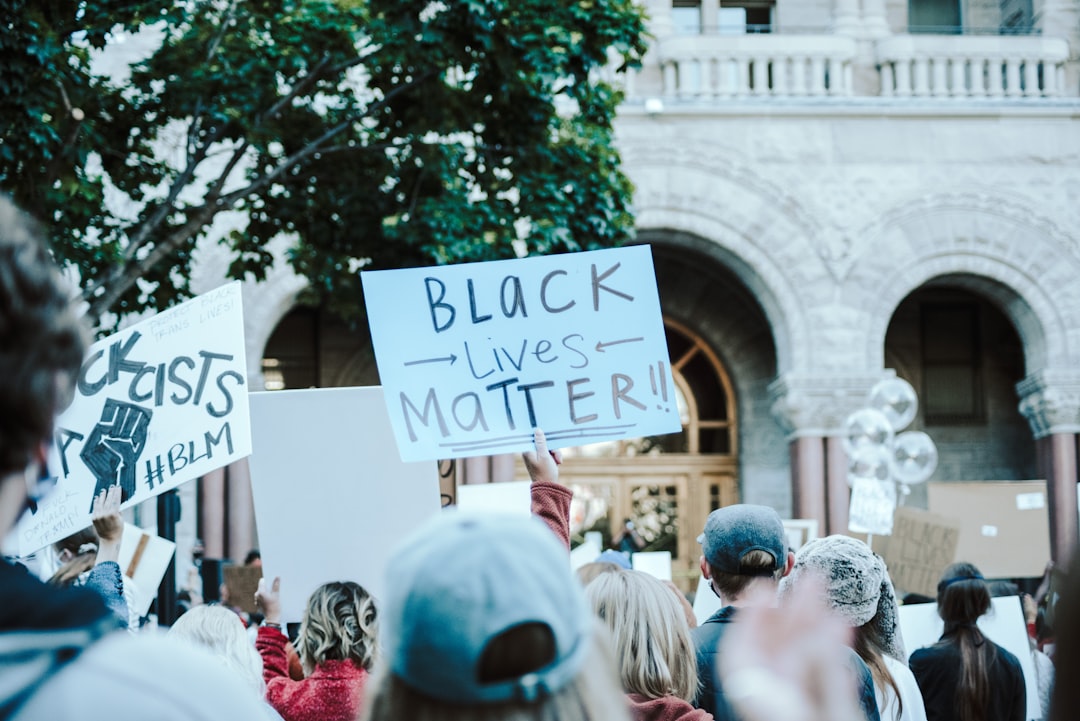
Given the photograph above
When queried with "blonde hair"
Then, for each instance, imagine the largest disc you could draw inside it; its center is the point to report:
(221, 631)
(649, 632)
(593, 695)
(338, 625)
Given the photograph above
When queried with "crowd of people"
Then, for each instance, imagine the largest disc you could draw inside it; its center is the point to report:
(482, 617)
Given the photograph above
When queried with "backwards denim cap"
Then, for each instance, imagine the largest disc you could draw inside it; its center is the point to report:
(733, 531)
(462, 580)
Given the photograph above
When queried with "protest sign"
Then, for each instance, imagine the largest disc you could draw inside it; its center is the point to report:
(706, 603)
(508, 497)
(655, 563)
(588, 551)
(241, 582)
(800, 531)
(144, 558)
(1004, 624)
(1005, 527)
(872, 505)
(157, 404)
(332, 496)
(472, 357)
(922, 544)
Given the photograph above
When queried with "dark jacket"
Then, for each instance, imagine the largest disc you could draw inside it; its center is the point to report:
(62, 656)
(937, 670)
(707, 639)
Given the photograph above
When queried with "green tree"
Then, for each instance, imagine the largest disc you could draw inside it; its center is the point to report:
(376, 133)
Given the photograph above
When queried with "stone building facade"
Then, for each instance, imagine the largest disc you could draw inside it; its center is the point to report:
(835, 191)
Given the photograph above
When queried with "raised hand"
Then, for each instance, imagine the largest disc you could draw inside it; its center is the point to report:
(268, 599)
(109, 524)
(542, 464)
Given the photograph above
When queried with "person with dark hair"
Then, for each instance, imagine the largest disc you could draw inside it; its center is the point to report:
(965, 676)
(744, 556)
(61, 653)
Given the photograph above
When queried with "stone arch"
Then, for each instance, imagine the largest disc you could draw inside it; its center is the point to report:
(265, 305)
(702, 199)
(983, 244)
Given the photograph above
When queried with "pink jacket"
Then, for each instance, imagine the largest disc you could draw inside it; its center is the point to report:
(333, 692)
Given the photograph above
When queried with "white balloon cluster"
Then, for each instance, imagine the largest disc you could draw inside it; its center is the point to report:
(876, 450)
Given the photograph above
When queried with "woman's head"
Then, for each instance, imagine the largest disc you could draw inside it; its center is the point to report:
(962, 595)
(483, 619)
(221, 631)
(649, 633)
(857, 588)
(77, 554)
(338, 625)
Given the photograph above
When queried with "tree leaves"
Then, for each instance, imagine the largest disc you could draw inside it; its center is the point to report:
(374, 133)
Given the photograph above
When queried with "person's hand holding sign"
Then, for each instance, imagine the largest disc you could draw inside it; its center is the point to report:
(268, 599)
(542, 464)
(108, 523)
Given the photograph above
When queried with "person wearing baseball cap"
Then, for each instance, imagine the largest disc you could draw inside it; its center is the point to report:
(744, 556)
(483, 618)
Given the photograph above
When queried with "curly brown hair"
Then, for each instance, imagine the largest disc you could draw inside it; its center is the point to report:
(41, 340)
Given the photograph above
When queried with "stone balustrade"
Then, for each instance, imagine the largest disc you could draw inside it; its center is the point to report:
(964, 66)
(712, 66)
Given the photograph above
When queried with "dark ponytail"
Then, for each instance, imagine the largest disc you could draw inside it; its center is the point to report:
(962, 597)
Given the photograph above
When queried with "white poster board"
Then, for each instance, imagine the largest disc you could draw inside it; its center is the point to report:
(921, 626)
(873, 503)
(514, 497)
(160, 403)
(332, 497)
(706, 603)
(474, 356)
(144, 558)
(588, 551)
(655, 563)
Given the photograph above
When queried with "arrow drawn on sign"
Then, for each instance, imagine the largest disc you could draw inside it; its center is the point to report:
(600, 345)
(450, 358)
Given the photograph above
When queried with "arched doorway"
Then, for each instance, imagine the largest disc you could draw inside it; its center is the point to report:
(964, 357)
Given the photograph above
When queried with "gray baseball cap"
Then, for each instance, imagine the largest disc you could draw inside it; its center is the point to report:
(733, 531)
(462, 580)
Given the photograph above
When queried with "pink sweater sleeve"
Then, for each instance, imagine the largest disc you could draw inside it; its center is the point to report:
(551, 504)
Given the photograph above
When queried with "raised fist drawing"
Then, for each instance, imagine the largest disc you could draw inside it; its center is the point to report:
(114, 446)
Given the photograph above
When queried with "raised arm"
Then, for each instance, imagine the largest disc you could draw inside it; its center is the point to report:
(550, 499)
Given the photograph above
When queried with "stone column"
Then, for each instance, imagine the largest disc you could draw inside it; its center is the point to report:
(875, 23)
(846, 17)
(1050, 400)
(808, 479)
(241, 511)
(837, 491)
(212, 513)
(812, 409)
(1061, 18)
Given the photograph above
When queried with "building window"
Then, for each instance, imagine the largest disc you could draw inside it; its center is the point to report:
(952, 366)
(746, 16)
(686, 17)
(937, 17)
